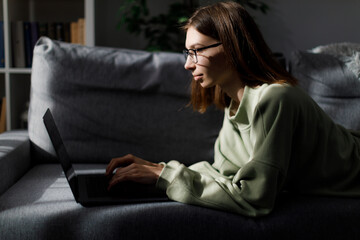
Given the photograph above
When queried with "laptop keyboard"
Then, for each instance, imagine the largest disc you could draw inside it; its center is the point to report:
(97, 187)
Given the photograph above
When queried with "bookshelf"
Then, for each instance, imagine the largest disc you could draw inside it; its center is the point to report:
(15, 78)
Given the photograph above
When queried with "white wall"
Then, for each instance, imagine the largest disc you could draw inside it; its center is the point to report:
(289, 25)
(304, 24)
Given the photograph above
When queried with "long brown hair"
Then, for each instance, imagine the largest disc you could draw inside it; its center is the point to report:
(245, 49)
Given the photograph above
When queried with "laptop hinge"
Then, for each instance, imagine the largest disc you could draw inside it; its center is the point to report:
(73, 184)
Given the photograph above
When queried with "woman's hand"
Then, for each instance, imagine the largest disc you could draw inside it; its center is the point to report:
(131, 168)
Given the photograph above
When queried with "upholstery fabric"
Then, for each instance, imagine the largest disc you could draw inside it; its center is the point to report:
(331, 84)
(14, 157)
(347, 52)
(111, 102)
(41, 206)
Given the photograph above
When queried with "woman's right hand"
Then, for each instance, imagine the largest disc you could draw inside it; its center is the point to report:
(132, 168)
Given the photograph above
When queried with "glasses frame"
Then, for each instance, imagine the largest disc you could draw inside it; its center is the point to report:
(187, 53)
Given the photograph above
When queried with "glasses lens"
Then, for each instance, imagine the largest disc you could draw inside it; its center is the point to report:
(193, 56)
(190, 53)
(186, 54)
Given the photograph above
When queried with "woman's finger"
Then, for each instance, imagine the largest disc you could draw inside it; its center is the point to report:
(119, 162)
(125, 161)
(128, 174)
(140, 173)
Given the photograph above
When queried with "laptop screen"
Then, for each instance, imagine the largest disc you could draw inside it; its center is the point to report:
(59, 146)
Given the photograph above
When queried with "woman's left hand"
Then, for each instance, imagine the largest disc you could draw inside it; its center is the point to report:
(131, 168)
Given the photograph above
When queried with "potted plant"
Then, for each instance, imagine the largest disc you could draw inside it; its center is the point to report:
(162, 32)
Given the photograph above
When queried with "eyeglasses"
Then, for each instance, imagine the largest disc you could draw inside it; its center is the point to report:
(193, 52)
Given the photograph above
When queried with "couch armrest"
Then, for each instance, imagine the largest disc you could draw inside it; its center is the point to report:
(14, 157)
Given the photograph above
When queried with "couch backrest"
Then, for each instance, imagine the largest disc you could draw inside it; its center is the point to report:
(110, 102)
(331, 83)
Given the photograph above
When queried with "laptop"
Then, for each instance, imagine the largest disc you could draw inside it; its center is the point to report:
(91, 189)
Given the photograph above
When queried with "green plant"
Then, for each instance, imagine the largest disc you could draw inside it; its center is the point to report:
(163, 32)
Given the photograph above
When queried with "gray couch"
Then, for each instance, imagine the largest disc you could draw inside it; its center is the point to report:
(110, 102)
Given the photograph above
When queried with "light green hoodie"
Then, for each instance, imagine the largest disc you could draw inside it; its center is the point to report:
(279, 139)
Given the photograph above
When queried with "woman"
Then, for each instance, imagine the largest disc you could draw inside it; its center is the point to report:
(273, 138)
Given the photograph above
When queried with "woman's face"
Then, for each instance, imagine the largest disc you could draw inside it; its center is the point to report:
(212, 68)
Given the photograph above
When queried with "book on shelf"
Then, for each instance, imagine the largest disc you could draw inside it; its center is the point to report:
(77, 31)
(2, 115)
(35, 33)
(2, 45)
(25, 34)
(67, 36)
(43, 29)
(18, 44)
(74, 35)
(81, 26)
(27, 44)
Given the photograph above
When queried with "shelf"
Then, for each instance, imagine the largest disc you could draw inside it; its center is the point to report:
(20, 70)
(15, 81)
(16, 70)
(46, 10)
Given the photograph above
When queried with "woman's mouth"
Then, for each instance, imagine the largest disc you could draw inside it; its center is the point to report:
(198, 77)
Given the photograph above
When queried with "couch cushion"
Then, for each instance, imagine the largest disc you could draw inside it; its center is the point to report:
(14, 157)
(331, 84)
(110, 102)
(41, 206)
(347, 52)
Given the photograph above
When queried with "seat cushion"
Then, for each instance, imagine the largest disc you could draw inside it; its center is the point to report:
(41, 206)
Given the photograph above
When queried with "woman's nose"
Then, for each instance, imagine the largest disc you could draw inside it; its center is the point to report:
(189, 64)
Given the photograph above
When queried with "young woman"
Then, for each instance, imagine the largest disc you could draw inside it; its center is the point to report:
(274, 137)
